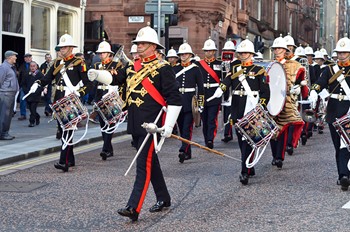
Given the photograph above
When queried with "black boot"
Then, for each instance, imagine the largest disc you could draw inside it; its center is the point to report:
(129, 212)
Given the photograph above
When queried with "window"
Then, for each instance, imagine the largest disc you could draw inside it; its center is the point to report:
(276, 16)
(259, 10)
(64, 23)
(40, 28)
(12, 16)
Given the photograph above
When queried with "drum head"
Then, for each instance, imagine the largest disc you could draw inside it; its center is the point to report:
(278, 88)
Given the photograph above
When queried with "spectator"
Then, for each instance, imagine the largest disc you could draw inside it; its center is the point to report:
(34, 98)
(23, 71)
(48, 89)
(8, 89)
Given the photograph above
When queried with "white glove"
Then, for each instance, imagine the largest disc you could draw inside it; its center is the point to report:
(34, 87)
(295, 90)
(200, 109)
(101, 76)
(170, 120)
(218, 93)
(313, 98)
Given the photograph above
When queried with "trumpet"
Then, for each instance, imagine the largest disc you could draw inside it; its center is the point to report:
(121, 58)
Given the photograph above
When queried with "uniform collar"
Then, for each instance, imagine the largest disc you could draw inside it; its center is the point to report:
(209, 60)
(281, 60)
(69, 57)
(106, 61)
(247, 63)
(344, 63)
(185, 64)
(149, 58)
(291, 55)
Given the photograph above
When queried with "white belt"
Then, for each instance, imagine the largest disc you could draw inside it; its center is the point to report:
(340, 97)
(242, 92)
(103, 87)
(211, 85)
(63, 88)
(187, 90)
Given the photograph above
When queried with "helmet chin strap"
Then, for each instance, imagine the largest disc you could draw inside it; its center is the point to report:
(149, 45)
(345, 59)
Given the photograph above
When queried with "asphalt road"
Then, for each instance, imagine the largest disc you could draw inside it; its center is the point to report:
(206, 193)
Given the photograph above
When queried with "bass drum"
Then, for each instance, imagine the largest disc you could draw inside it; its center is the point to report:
(278, 86)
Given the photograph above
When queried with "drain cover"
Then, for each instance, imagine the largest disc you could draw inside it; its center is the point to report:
(20, 187)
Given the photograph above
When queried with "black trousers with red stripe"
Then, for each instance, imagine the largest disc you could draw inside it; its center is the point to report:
(246, 149)
(210, 122)
(147, 170)
(67, 154)
(278, 146)
(185, 123)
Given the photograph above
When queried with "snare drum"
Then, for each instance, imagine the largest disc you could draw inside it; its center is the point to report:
(257, 127)
(342, 125)
(110, 108)
(69, 111)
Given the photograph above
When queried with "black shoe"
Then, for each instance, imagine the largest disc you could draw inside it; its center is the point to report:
(7, 137)
(129, 212)
(344, 183)
(290, 150)
(106, 154)
(279, 163)
(303, 140)
(46, 113)
(63, 167)
(320, 130)
(226, 139)
(159, 206)
(37, 121)
(244, 179)
(22, 118)
(31, 125)
(182, 156)
(188, 156)
(58, 134)
(309, 134)
(210, 144)
(273, 162)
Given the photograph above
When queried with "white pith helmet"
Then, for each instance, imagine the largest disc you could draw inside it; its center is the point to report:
(280, 43)
(185, 48)
(209, 45)
(148, 34)
(104, 46)
(324, 51)
(343, 45)
(319, 55)
(229, 46)
(246, 46)
(299, 51)
(66, 41)
(334, 54)
(133, 49)
(289, 40)
(309, 51)
(172, 53)
(258, 56)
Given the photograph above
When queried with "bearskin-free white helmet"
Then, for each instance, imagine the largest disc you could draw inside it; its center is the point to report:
(334, 54)
(104, 46)
(172, 53)
(324, 51)
(280, 42)
(309, 51)
(318, 55)
(246, 46)
(66, 41)
(229, 46)
(289, 40)
(209, 45)
(133, 49)
(299, 51)
(343, 45)
(148, 34)
(185, 48)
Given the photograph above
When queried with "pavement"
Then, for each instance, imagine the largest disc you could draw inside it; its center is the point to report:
(40, 140)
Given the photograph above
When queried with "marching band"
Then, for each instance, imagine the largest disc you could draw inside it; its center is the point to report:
(281, 101)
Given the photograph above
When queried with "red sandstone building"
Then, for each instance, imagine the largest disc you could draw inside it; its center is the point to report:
(260, 20)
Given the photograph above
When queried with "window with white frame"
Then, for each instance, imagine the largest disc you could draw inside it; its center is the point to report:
(275, 24)
(40, 28)
(12, 16)
(64, 23)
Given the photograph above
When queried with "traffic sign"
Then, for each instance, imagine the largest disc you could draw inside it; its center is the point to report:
(165, 8)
